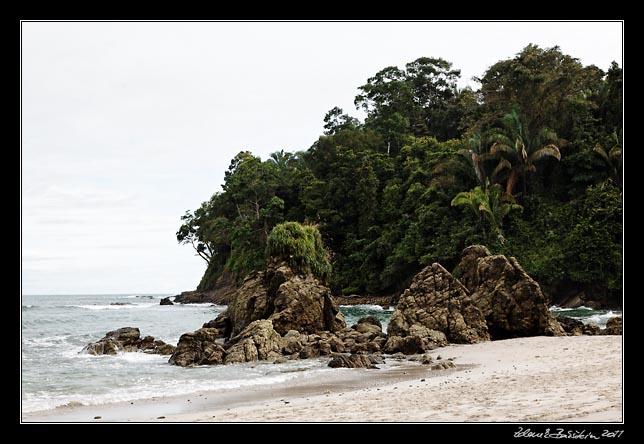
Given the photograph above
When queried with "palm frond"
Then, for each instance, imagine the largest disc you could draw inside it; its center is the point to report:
(547, 151)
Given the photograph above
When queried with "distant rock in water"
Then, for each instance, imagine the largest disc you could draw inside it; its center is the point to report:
(127, 339)
(436, 302)
(166, 301)
(510, 300)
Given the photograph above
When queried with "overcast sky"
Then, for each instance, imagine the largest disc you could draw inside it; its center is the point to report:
(125, 126)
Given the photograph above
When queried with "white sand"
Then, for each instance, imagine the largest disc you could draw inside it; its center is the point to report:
(539, 379)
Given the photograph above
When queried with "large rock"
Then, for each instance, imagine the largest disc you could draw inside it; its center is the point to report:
(355, 361)
(198, 348)
(127, 339)
(510, 300)
(613, 326)
(166, 301)
(290, 300)
(258, 341)
(438, 302)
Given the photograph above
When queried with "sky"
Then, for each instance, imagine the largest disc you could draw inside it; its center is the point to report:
(126, 125)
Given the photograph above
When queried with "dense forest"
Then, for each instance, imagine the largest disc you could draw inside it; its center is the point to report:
(530, 165)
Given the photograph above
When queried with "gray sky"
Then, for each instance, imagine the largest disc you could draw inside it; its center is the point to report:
(127, 125)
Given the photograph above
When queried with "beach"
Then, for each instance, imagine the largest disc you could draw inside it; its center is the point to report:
(535, 379)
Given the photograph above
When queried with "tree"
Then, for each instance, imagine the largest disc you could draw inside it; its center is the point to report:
(491, 203)
(301, 246)
(335, 120)
(519, 151)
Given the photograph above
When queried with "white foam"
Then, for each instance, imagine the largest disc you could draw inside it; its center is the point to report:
(114, 307)
(370, 307)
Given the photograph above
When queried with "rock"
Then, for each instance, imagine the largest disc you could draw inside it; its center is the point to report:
(613, 326)
(437, 301)
(570, 325)
(426, 359)
(354, 299)
(510, 300)
(370, 320)
(166, 301)
(292, 342)
(198, 348)
(290, 300)
(409, 345)
(127, 339)
(221, 323)
(354, 361)
(258, 341)
(444, 365)
(372, 331)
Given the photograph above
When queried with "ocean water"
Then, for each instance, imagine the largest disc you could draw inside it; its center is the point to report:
(55, 372)
(587, 315)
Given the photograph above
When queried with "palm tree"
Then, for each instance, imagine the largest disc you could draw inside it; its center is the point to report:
(612, 159)
(519, 152)
(491, 203)
(281, 159)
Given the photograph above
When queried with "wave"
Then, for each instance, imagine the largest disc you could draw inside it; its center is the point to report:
(369, 307)
(557, 308)
(149, 388)
(118, 306)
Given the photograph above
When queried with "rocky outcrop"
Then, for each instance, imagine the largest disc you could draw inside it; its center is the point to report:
(258, 341)
(290, 300)
(166, 301)
(198, 348)
(510, 300)
(355, 361)
(613, 327)
(435, 303)
(127, 339)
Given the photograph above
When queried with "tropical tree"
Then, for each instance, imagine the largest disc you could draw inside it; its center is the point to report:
(612, 159)
(519, 152)
(490, 203)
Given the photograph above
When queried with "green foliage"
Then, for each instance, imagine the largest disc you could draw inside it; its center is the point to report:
(387, 194)
(301, 246)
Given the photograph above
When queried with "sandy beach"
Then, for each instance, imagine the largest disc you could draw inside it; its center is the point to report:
(537, 379)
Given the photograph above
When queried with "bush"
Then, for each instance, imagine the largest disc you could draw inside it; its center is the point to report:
(301, 246)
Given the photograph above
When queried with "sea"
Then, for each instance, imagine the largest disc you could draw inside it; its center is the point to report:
(56, 372)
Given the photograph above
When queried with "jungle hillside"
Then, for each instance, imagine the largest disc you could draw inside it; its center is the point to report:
(530, 165)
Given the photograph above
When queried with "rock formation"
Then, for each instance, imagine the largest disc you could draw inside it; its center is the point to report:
(166, 301)
(355, 361)
(435, 303)
(198, 348)
(290, 300)
(510, 300)
(127, 339)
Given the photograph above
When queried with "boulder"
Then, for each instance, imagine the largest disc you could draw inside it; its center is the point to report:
(292, 301)
(370, 320)
(258, 341)
(198, 348)
(438, 302)
(408, 345)
(221, 323)
(127, 339)
(166, 301)
(355, 361)
(510, 300)
(613, 326)
(570, 325)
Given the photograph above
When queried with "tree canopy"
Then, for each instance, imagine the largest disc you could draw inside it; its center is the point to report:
(530, 164)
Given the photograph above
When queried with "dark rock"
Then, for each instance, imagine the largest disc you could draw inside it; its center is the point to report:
(290, 300)
(384, 301)
(198, 348)
(613, 326)
(510, 300)
(354, 361)
(436, 301)
(127, 339)
(166, 301)
(570, 325)
(371, 320)
(221, 323)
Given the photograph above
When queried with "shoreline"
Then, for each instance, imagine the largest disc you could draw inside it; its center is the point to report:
(537, 379)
